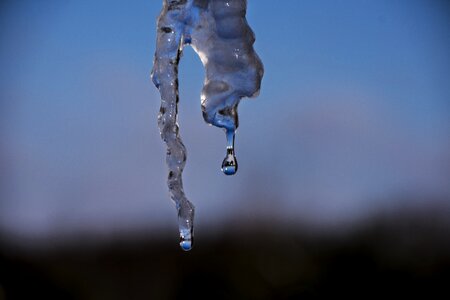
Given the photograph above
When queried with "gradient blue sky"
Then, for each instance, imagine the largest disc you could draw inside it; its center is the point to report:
(353, 113)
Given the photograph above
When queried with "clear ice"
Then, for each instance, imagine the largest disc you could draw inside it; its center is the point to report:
(219, 33)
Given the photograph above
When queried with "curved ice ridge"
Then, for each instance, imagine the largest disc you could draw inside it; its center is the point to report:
(218, 32)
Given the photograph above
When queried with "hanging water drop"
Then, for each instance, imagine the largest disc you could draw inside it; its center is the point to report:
(186, 239)
(219, 33)
(229, 164)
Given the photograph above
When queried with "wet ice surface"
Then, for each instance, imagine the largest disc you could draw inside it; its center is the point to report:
(218, 32)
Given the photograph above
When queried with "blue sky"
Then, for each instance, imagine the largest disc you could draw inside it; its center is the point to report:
(353, 111)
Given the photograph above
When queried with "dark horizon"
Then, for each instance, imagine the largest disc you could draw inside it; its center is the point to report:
(406, 255)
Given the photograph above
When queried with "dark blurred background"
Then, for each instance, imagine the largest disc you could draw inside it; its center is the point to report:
(344, 158)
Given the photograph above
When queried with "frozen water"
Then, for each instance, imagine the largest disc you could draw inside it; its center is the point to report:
(218, 32)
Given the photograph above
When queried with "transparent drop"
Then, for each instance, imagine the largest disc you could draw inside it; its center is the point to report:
(186, 239)
(229, 164)
(186, 245)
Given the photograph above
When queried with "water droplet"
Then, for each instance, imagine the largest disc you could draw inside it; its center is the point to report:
(186, 234)
(186, 245)
(229, 164)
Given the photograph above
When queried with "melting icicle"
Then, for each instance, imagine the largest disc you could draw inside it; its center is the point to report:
(220, 35)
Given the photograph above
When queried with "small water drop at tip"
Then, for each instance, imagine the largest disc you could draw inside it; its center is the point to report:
(186, 244)
(229, 164)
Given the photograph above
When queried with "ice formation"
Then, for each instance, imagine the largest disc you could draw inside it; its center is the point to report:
(218, 32)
